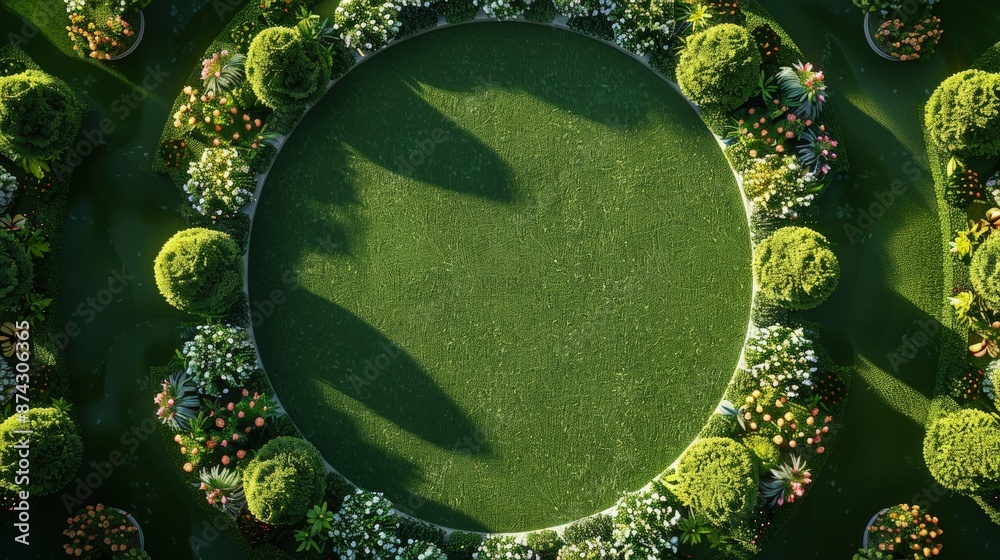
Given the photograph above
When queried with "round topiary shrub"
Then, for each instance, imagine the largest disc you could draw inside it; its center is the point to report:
(284, 480)
(16, 271)
(719, 67)
(718, 478)
(984, 272)
(40, 115)
(200, 271)
(286, 70)
(56, 450)
(795, 268)
(962, 451)
(963, 114)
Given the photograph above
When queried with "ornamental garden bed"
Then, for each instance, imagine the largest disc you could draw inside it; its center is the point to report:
(784, 154)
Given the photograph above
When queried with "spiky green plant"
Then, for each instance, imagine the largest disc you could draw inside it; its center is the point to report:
(804, 89)
(178, 402)
(698, 16)
(788, 483)
(223, 488)
(223, 71)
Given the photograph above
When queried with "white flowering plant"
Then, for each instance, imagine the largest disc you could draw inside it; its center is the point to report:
(8, 189)
(219, 356)
(780, 186)
(219, 183)
(505, 547)
(645, 526)
(585, 8)
(782, 357)
(420, 550)
(642, 26)
(503, 9)
(590, 549)
(365, 528)
(369, 24)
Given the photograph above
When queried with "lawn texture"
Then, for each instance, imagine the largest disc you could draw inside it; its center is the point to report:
(502, 274)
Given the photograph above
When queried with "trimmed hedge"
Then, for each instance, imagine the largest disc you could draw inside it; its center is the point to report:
(284, 480)
(40, 116)
(200, 271)
(720, 67)
(962, 451)
(796, 268)
(963, 114)
(984, 271)
(594, 527)
(17, 272)
(718, 478)
(287, 71)
(56, 451)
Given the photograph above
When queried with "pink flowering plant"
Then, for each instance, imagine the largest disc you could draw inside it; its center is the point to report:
(223, 488)
(223, 71)
(788, 482)
(235, 423)
(818, 151)
(178, 403)
(804, 89)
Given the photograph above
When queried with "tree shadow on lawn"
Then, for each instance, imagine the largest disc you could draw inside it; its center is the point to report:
(360, 362)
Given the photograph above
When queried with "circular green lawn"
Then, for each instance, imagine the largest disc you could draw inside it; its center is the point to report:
(502, 274)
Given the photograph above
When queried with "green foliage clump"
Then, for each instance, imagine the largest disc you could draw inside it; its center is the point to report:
(764, 450)
(283, 481)
(589, 528)
(40, 115)
(200, 271)
(984, 272)
(415, 530)
(719, 67)
(546, 544)
(962, 451)
(462, 545)
(16, 271)
(963, 114)
(56, 450)
(718, 478)
(795, 268)
(286, 70)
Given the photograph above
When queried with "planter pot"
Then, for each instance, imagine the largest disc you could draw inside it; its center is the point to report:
(138, 534)
(138, 38)
(871, 40)
(864, 539)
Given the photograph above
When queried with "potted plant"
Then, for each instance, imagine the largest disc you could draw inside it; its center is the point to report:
(98, 532)
(106, 29)
(901, 31)
(901, 532)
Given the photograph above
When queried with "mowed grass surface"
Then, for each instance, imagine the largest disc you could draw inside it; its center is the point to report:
(533, 315)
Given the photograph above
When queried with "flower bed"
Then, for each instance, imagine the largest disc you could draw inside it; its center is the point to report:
(779, 412)
(899, 30)
(962, 151)
(104, 29)
(32, 220)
